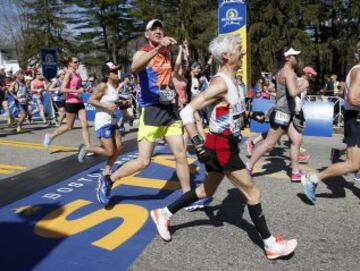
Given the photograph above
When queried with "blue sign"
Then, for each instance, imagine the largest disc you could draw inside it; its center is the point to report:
(91, 110)
(319, 118)
(49, 111)
(49, 62)
(262, 105)
(231, 15)
(63, 227)
(318, 115)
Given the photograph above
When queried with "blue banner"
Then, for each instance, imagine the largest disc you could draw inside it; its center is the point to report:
(231, 15)
(232, 21)
(319, 117)
(49, 62)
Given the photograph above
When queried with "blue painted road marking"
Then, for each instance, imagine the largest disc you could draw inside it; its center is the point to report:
(64, 228)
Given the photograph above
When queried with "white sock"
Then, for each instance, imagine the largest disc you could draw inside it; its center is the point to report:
(315, 178)
(166, 213)
(269, 241)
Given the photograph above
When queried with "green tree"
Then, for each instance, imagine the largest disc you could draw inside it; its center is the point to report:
(44, 27)
(102, 28)
(183, 19)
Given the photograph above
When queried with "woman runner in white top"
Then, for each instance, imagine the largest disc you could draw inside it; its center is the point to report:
(105, 99)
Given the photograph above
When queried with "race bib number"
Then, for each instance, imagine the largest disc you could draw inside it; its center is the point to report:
(167, 95)
(23, 100)
(282, 118)
(238, 119)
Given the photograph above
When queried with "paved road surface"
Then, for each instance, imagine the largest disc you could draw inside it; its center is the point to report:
(222, 236)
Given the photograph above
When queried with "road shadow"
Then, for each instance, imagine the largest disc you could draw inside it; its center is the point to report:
(61, 151)
(231, 211)
(163, 193)
(273, 165)
(20, 247)
(337, 186)
(304, 198)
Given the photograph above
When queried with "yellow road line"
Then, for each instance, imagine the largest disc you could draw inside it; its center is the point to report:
(5, 171)
(35, 146)
(3, 166)
(148, 182)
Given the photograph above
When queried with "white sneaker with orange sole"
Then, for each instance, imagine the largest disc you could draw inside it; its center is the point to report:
(162, 224)
(280, 248)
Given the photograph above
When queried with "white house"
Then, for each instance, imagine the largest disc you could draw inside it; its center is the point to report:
(8, 59)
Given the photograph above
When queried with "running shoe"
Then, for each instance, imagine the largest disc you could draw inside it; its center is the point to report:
(296, 176)
(303, 157)
(20, 129)
(309, 187)
(82, 153)
(280, 248)
(162, 224)
(357, 176)
(200, 204)
(334, 155)
(47, 140)
(104, 190)
(249, 146)
(122, 130)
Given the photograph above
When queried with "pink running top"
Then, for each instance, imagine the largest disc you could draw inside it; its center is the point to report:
(38, 85)
(74, 83)
(180, 87)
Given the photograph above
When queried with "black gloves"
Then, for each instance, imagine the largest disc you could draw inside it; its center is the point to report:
(203, 154)
(258, 116)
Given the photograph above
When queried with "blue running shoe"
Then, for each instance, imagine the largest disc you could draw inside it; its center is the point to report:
(309, 187)
(122, 130)
(82, 153)
(357, 176)
(104, 189)
(200, 204)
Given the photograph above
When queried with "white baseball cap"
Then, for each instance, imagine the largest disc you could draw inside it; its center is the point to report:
(112, 66)
(291, 52)
(151, 23)
(60, 72)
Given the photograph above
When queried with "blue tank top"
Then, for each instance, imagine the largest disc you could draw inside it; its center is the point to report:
(156, 75)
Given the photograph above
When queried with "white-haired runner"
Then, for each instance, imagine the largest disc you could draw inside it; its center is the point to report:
(220, 153)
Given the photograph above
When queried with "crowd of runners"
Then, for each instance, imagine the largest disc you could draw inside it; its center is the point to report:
(166, 112)
(28, 98)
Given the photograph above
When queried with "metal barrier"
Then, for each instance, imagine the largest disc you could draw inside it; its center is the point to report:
(338, 107)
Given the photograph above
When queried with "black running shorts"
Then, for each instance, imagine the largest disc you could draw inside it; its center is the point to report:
(352, 128)
(74, 107)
